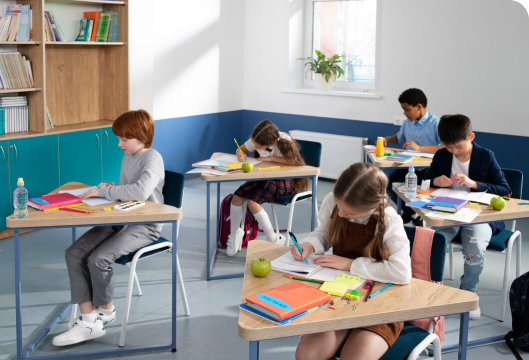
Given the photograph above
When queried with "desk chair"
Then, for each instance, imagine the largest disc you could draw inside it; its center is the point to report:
(503, 242)
(311, 153)
(413, 340)
(173, 193)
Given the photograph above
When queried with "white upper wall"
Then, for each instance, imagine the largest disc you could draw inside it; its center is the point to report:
(198, 56)
(469, 57)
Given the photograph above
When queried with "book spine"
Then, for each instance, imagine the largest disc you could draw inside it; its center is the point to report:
(103, 29)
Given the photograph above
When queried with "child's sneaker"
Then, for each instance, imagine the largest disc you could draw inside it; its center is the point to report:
(475, 314)
(106, 319)
(280, 240)
(80, 331)
(234, 243)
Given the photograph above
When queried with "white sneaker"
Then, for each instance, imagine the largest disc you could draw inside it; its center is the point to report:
(475, 314)
(80, 331)
(281, 240)
(234, 243)
(106, 319)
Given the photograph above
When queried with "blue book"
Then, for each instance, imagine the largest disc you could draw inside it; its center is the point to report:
(282, 322)
(447, 204)
(399, 158)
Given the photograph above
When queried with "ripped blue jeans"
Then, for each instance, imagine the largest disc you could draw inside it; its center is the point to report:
(475, 239)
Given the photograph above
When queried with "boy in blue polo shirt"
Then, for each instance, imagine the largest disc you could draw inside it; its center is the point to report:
(420, 134)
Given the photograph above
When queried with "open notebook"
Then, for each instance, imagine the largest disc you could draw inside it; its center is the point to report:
(474, 196)
(287, 264)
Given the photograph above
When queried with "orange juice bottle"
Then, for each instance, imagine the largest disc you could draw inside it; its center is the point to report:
(379, 152)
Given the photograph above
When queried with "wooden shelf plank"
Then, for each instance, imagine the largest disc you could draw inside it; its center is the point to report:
(83, 43)
(107, 2)
(19, 42)
(8, 91)
(88, 125)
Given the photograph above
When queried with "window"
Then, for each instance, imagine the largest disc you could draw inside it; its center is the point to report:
(347, 27)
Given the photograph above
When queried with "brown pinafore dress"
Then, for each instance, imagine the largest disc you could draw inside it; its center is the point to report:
(359, 236)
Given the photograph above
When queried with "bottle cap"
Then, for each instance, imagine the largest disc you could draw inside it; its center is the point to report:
(380, 138)
(412, 169)
(20, 181)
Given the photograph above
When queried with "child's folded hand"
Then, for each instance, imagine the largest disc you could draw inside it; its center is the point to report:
(334, 261)
(442, 181)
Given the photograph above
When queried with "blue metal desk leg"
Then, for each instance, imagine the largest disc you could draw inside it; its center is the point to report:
(314, 204)
(399, 205)
(208, 209)
(463, 336)
(174, 253)
(18, 294)
(254, 350)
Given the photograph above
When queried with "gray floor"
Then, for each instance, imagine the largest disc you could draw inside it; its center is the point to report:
(211, 331)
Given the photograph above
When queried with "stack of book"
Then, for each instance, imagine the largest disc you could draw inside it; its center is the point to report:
(15, 71)
(52, 29)
(14, 114)
(98, 26)
(399, 158)
(16, 25)
(447, 204)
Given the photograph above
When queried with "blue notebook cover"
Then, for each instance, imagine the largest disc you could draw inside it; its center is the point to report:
(399, 158)
(283, 322)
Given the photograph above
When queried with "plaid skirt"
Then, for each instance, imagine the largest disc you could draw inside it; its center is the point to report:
(265, 191)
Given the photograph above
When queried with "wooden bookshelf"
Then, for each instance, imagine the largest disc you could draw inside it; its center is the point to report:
(84, 84)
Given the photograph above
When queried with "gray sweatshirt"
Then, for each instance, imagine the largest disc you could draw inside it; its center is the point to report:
(141, 178)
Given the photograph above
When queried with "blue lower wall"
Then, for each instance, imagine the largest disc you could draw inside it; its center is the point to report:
(504, 146)
(185, 140)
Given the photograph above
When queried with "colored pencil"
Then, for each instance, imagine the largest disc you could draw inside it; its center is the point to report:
(308, 280)
(379, 291)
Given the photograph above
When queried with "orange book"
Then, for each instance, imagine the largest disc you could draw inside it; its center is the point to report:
(93, 15)
(287, 300)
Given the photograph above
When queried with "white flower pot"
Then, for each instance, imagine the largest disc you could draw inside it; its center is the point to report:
(321, 84)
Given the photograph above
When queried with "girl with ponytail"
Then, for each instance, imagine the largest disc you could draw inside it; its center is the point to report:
(368, 239)
(267, 142)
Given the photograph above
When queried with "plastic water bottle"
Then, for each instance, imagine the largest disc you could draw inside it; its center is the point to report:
(20, 200)
(411, 184)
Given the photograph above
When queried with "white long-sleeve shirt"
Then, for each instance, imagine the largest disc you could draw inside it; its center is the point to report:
(396, 269)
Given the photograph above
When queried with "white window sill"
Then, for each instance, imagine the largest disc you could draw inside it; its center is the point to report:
(345, 93)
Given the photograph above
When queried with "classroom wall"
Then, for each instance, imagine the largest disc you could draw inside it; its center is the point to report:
(469, 56)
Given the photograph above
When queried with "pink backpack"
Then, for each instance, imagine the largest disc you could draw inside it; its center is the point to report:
(420, 269)
(251, 227)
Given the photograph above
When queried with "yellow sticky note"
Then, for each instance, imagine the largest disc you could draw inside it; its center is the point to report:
(333, 288)
(349, 280)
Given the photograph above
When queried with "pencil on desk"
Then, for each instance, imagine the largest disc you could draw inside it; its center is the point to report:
(398, 185)
(268, 167)
(379, 291)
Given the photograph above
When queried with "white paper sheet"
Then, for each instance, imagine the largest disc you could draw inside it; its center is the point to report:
(479, 197)
(224, 159)
(465, 215)
(417, 154)
(90, 201)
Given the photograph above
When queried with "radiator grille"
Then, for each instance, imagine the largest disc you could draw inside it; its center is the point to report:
(338, 151)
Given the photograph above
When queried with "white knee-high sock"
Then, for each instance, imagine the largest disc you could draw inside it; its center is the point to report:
(265, 224)
(235, 218)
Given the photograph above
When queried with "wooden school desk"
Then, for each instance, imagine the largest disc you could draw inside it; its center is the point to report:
(150, 213)
(285, 172)
(422, 163)
(419, 299)
(512, 211)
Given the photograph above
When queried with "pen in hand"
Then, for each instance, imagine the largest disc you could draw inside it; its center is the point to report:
(297, 245)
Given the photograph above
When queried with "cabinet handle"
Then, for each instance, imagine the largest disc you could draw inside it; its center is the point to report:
(97, 136)
(3, 155)
(106, 134)
(16, 151)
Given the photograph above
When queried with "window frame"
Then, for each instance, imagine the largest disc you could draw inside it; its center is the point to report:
(357, 87)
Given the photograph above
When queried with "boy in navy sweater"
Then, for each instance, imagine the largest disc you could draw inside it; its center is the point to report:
(473, 168)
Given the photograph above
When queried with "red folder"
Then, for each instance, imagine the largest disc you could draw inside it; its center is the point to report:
(288, 300)
(55, 200)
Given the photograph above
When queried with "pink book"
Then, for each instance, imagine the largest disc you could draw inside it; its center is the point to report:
(45, 202)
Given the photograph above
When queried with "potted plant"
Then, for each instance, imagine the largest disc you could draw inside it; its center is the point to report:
(326, 69)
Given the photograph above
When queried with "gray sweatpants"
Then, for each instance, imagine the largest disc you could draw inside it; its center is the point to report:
(89, 259)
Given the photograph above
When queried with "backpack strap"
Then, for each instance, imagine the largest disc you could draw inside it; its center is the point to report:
(420, 254)
(510, 344)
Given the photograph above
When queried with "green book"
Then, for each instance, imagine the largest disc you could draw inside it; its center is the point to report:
(104, 27)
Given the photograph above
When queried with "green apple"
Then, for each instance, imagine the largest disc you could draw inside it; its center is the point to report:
(260, 267)
(247, 167)
(497, 203)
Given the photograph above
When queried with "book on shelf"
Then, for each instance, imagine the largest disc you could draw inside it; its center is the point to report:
(399, 158)
(83, 30)
(48, 116)
(113, 28)
(447, 204)
(93, 15)
(287, 300)
(15, 71)
(104, 27)
(53, 27)
(14, 114)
